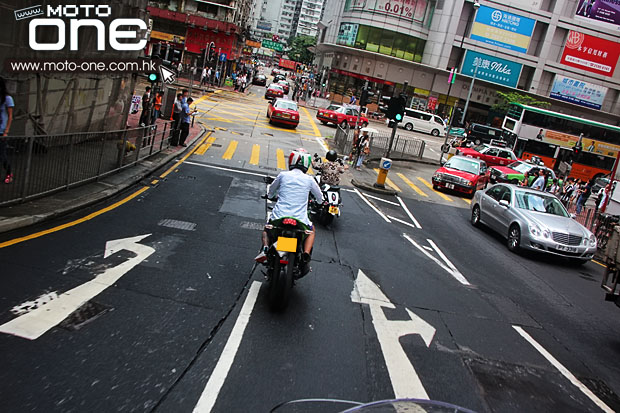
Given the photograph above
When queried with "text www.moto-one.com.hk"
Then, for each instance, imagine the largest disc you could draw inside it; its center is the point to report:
(80, 66)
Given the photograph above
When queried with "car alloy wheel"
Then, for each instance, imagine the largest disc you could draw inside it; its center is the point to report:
(477, 141)
(475, 216)
(435, 132)
(409, 127)
(514, 238)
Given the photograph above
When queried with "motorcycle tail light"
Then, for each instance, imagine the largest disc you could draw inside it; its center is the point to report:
(284, 262)
(289, 221)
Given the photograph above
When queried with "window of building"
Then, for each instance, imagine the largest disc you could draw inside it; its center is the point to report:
(387, 40)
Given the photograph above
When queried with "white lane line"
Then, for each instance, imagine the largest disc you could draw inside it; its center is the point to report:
(381, 199)
(218, 376)
(372, 206)
(221, 168)
(347, 189)
(432, 150)
(441, 254)
(409, 214)
(565, 372)
(320, 141)
(449, 268)
(401, 221)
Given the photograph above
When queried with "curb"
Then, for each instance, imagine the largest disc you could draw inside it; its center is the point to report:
(370, 188)
(11, 224)
(434, 163)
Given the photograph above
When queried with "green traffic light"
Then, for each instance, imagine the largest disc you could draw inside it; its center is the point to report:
(399, 117)
(153, 77)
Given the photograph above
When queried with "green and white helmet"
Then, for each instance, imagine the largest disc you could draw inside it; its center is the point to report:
(299, 158)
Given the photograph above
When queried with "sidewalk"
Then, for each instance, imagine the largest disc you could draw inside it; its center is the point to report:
(66, 201)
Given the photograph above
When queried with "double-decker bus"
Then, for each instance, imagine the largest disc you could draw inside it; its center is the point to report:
(552, 137)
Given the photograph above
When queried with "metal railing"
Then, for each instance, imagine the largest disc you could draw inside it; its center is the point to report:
(41, 165)
(403, 147)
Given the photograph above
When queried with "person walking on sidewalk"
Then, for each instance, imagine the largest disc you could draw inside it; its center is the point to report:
(6, 119)
(145, 116)
(176, 120)
(157, 106)
(186, 118)
(363, 149)
(203, 77)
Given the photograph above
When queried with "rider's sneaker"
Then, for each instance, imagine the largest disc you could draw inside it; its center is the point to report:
(262, 257)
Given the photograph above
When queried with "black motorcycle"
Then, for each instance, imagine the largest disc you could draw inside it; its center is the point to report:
(326, 209)
(284, 262)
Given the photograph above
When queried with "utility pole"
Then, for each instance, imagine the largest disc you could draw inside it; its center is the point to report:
(451, 81)
(471, 87)
(359, 113)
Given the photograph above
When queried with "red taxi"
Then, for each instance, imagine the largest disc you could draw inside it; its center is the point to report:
(274, 91)
(340, 115)
(285, 86)
(493, 155)
(283, 111)
(462, 174)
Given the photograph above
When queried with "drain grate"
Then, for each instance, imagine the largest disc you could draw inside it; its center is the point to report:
(268, 168)
(189, 177)
(173, 223)
(216, 145)
(84, 315)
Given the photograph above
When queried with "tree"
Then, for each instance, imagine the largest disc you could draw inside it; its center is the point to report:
(515, 97)
(299, 49)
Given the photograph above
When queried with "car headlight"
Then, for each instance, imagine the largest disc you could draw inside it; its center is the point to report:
(438, 176)
(592, 240)
(535, 230)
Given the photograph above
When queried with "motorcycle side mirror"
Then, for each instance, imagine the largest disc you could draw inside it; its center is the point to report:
(268, 179)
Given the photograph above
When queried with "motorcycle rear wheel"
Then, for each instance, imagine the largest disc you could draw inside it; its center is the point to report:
(281, 283)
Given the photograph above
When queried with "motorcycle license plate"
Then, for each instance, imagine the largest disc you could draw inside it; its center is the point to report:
(564, 248)
(287, 244)
(333, 209)
(450, 186)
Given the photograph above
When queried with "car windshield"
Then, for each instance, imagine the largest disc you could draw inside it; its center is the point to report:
(334, 107)
(463, 165)
(286, 104)
(479, 148)
(520, 166)
(277, 87)
(540, 202)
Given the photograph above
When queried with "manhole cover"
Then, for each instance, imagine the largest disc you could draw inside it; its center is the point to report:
(84, 315)
(173, 223)
(189, 177)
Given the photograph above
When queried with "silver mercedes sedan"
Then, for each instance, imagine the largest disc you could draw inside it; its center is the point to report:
(532, 220)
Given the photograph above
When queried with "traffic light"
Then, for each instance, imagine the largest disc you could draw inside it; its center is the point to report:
(211, 53)
(366, 95)
(156, 50)
(396, 108)
(153, 77)
(577, 148)
(203, 57)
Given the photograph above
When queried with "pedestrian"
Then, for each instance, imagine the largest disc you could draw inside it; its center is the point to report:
(176, 120)
(157, 106)
(180, 68)
(586, 191)
(6, 119)
(203, 77)
(363, 149)
(186, 118)
(352, 100)
(234, 80)
(217, 77)
(541, 182)
(600, 203)
(554, 187)
(526, 179)
(209, 76)
(145, 116)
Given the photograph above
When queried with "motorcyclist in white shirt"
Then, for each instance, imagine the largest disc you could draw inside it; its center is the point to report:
(293, 187)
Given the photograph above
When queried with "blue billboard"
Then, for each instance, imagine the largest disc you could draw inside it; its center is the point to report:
(502, 29)
(492, 69)
(578, 92)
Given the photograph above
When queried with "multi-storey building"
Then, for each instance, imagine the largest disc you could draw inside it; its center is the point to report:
(555, 50)
(191, 25)
(286, 18)
(307, 16)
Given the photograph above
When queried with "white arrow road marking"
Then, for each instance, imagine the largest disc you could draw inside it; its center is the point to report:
(405, 380)
(446, 265)
(35, 323)
(565, 372)
(218, 376)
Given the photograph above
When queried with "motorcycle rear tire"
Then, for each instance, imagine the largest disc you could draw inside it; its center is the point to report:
(328, 219)
(281, 283)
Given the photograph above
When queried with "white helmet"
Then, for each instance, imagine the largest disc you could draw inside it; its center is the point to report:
(299, 158)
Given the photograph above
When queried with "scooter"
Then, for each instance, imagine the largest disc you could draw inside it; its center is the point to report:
(329, 207)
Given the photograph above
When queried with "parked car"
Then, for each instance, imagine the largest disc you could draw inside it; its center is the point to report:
(260, 80)
(515, 172)
(461, 174)
(274, 91)
(478, 133)
(423, 122)
(532, 220)
(492, 155)
(283, 111)
(340, 115)
(285, 85)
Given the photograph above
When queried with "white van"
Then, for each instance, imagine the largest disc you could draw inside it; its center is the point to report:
(423, 122)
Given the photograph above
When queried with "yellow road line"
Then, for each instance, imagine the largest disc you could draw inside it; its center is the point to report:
(389, 182)
(173, 167)
(202, 149)
(594, 261)
(411, 184)
(280, 159)
(467, 200)
(428, 184)
(230, 151)
(76, 222)
(314, 127)
(255, 155)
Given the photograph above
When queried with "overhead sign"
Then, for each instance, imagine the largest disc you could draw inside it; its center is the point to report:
(270, 44)
(287, 64)
(167, 37)
(404, 9)
(578, 92)
(347, 34)
(222, 57)
(591, 53)
(491, 68)
(502, 29)
(601, 12)
(252, 43)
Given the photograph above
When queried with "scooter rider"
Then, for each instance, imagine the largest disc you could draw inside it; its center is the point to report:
(330, 170)
(292, 188)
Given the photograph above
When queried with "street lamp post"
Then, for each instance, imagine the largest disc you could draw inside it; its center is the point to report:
(471, 86)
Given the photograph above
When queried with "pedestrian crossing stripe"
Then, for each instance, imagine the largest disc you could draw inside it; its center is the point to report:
(430, 186)
(230, 151)
(389, 182)
(412, 185)
(281, 162)
(202, 149)
(222, 129)
(254, 158)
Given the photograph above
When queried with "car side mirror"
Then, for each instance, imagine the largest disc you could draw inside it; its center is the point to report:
(573, 216)
(504, 203)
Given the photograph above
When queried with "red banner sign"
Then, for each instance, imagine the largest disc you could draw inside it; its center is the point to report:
(591, 53)
(287, 64)
(198, 39)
